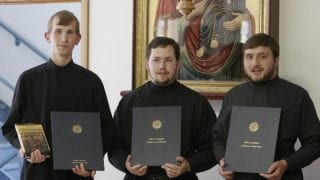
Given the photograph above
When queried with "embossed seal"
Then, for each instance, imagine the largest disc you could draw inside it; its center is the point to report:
(254, 126)
(77, 129)
(156, 124)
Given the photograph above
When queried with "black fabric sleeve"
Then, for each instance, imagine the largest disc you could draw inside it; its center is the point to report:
(203, 158)
(220, 131)
(101, 105)
(16, 114)
(118, 152)
(309, 137)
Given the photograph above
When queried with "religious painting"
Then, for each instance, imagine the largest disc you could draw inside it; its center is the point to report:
(210, 37)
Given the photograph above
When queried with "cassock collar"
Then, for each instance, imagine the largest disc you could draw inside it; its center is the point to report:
(168, 88)
(53, 66)
(270, 82)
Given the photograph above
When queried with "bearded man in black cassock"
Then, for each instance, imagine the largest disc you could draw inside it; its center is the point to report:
(58, 85)
(197, 118)
(298, 119)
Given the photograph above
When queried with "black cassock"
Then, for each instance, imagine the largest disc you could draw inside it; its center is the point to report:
(197, 120)
(47, 88)
(298, 120)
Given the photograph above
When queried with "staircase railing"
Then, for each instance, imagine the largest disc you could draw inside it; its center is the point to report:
(6, 83)
(6, 148)
(19, 39)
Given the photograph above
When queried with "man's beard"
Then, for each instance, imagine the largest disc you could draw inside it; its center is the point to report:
(267, 76)
(164, 82)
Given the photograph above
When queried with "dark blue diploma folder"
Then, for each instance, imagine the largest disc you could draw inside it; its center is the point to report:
(156, 135)
(76, 138)
(252, 139)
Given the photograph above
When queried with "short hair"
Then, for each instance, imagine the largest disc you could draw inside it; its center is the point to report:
(262, 39)
(65, 18)
(163, 42)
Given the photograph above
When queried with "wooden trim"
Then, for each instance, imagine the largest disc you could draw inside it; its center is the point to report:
(211, 96)
(274, 19)
(84, 33)
(34, 1)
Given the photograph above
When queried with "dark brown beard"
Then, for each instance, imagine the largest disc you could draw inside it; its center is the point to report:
(266, 77)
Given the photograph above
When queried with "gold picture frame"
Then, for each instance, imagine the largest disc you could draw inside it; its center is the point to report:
(84, 23)
(265, 13)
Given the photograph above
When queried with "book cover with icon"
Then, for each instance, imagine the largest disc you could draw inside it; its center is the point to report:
(31, 137)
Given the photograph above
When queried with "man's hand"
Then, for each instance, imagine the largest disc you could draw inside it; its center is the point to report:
(137, 170)
(81, 171)
(228, 175)
(235, 24)
(173, 170)
(36, 156)
(276, 170)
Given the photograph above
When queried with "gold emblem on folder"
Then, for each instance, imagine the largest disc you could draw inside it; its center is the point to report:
(156, 124)
(77, 129)
(254, 126)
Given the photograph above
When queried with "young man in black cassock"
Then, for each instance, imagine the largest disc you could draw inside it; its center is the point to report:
(298, 119)
(58, 85)
(162, 62)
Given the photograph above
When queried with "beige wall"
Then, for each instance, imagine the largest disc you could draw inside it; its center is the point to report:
(111, 55)
(299, 59)
(299, 38)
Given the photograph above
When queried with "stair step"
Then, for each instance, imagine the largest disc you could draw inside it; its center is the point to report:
(10, 163)
(9, 152)
(4, 111)
(4, 176)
